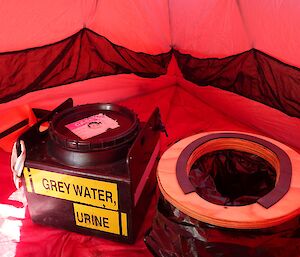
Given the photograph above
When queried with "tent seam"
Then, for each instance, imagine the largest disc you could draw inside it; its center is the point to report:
(245, 24)
(170, 25)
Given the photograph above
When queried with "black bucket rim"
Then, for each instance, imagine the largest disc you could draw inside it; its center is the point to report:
(100, 144)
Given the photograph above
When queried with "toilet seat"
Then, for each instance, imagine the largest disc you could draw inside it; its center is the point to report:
(279, 205)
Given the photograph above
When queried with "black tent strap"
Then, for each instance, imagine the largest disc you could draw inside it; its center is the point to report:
(14, 128)
(285, 174)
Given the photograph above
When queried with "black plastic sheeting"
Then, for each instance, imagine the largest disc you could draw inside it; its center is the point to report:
(174, 234)
(232, 178)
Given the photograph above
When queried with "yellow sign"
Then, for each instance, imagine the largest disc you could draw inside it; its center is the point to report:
(96, 218)
(88, 191)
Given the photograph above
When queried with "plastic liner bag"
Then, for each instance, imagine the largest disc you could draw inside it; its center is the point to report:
(175, 234)
(232, 178)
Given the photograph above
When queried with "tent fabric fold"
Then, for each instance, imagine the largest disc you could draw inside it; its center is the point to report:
(252, 74)
(83, 56)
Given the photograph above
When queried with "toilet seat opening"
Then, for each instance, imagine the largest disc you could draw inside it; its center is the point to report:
(232, 177)
(268, 151)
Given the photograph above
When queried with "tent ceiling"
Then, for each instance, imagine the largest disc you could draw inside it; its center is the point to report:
(199, 27)
(135, 36)
(208, 28)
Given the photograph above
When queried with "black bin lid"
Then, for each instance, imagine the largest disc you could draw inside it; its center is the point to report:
(64, 137)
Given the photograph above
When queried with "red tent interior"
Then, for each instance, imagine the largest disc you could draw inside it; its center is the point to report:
(208, 65)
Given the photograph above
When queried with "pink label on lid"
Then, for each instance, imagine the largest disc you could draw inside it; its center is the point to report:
(92, 126)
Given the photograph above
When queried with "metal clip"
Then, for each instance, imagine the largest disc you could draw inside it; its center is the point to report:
(17, 162)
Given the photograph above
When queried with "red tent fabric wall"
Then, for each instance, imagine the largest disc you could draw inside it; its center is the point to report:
(208, 65)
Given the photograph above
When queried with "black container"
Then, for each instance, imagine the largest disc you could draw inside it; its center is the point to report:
(96, 186)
